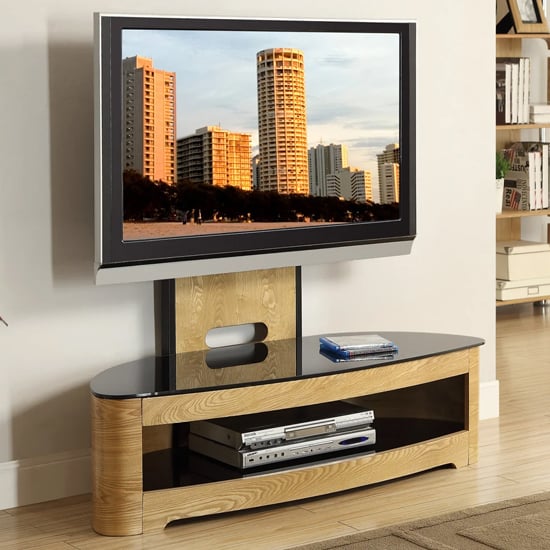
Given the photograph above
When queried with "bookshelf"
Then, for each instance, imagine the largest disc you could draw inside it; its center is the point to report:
(508, 223)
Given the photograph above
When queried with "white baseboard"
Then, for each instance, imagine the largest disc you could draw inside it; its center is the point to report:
(44, 478)
(67, 474)
(489, 400)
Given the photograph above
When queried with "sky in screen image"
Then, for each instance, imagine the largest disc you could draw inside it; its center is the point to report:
(352, 83)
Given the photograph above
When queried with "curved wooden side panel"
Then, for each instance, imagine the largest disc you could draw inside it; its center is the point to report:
(117, 484)
(162, 507)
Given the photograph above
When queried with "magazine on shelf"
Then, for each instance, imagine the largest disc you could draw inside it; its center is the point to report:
(516, 191)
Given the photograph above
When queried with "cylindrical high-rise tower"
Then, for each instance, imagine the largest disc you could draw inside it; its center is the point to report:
(283, 165)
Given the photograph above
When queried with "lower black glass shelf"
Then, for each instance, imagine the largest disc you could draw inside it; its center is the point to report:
(180, 467)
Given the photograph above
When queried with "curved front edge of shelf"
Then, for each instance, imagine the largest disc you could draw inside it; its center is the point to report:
(165, 506)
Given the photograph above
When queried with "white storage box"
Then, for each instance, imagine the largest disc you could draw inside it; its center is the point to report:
(527, 288)
(522, 260)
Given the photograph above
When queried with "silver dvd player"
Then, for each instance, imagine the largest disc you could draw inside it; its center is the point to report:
(252, 458)
(256, 431)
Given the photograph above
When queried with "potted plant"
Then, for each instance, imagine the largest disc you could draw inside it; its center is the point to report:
(502, 167)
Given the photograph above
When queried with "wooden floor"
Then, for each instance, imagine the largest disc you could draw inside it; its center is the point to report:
(514, 461)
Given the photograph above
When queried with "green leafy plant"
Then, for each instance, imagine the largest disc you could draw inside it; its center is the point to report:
(502, 165)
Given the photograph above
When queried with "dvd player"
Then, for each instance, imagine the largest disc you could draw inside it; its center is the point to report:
(251, 458)
(268, 429)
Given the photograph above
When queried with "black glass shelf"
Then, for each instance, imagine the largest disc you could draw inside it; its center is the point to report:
(180, 467)
(257, 363)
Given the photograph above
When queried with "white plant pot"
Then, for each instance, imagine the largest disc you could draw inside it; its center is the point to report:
(500, 194)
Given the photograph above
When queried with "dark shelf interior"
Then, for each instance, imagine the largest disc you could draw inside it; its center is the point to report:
(180, 467)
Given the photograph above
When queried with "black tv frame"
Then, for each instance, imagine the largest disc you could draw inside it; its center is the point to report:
(113, 251)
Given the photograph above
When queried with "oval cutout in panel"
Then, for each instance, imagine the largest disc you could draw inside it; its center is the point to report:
(233, 356)
(235, 335)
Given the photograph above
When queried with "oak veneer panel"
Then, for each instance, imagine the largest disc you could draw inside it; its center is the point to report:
(212, 301)
(117, 466)
(235, 401)
(162, 507)
(472, 405)
(156, 438)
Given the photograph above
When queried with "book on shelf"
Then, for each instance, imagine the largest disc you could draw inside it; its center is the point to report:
(526, 88)
(538, 180)
(535, 201)
(347, 346)
(539, 118)
(514, 99)
(539, 108)
(508, 96)
(539, 113)
(502, 95)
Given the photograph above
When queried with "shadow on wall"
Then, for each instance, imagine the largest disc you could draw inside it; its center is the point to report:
(52, 441)
(72, 156)
(70, 332)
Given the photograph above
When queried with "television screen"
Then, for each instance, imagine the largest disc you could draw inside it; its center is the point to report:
(220, 138)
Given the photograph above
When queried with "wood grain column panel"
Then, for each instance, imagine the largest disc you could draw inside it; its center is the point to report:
(117, 481)
(206, 302)
(472, 408)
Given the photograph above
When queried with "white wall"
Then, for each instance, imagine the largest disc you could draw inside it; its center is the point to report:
(63, 329)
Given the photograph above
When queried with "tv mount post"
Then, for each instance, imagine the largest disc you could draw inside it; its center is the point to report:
(187, 309)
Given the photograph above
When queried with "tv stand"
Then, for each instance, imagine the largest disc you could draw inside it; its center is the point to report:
(425, 402)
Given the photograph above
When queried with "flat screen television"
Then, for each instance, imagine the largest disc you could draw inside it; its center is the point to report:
(220, 141)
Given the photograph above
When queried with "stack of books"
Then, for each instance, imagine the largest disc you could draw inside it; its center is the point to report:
(356, 347)
(512, 90)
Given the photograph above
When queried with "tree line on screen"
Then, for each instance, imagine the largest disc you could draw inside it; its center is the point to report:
(145, 199)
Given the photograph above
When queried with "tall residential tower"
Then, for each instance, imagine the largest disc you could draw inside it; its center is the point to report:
(149, 119)
(325, 160)
(215, 156)
(388, 174)
(283, 165)
(351, 184)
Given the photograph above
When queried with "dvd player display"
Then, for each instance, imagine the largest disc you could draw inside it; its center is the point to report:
(250, 458)
(269, 429)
